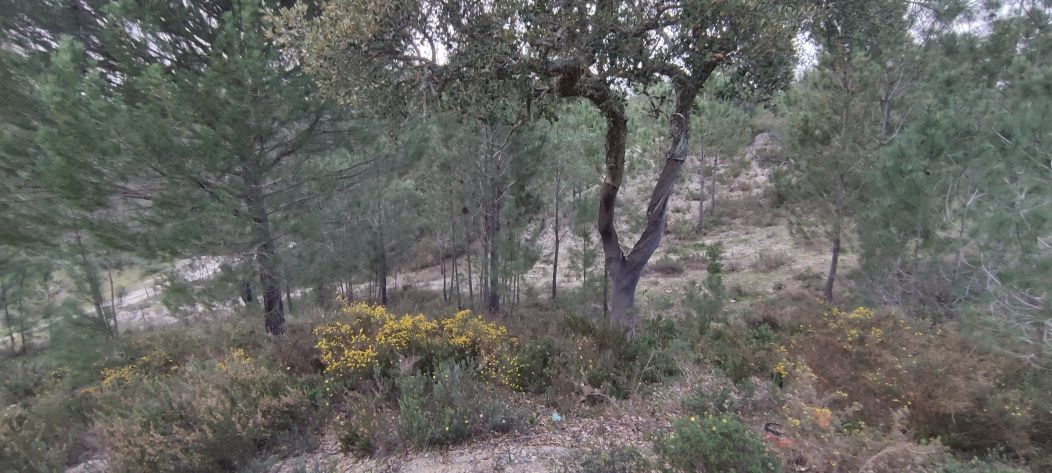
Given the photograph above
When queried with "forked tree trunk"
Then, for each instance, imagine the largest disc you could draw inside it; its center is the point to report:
(624, 270)
(575, 80)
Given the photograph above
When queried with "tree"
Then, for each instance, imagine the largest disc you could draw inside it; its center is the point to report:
(207, 120)
(838, 120)
(524, 55)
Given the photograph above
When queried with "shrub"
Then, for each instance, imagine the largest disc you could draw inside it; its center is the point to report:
(713, 398)
(616, 365)
(740, 353)
(618, 459)
(767, 261)
(45, 432)
(209, 416)
(374, 340)
(449, 407)
(667, 265)
(714, 443)
(538, 365)
(968, 397)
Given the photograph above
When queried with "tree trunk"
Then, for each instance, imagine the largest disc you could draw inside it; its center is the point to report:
(699, 225)
(22, 314)
(712, 188)
(827, 291)
(442, 265)
(471, 290)
(246, 292)
(493, 291)
(288, 295)
(266, 260)
(113, 302)
(838, 210)
(7, 316)
(575, 80)
(625, 270)
(92, 276)
(555, 259)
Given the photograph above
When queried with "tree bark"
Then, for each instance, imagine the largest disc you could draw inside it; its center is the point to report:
(246, 293)
(266, 259)
(827, 291)
(712, 188)
(7, 316)
(92, 276)
(555, 259)
(113, 302)
(699, 225)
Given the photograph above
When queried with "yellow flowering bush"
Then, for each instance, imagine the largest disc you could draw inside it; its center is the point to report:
(371, 337)
(154, 363)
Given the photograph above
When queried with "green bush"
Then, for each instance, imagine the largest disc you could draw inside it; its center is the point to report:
(538, 365)
(616, 364)
(714, 399)
(613, 460)
(449, 407)
(209, 416)
(45, 432)
(714, 443)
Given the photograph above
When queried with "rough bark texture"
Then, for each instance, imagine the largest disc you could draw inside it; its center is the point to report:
(576, 80)
(624, 270)
(266, 260)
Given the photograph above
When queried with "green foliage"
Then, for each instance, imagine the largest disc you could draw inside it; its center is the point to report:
(448, 407)
(714, 443)
(714, 399)
(209, 416)
(705, 303)
(616, 459)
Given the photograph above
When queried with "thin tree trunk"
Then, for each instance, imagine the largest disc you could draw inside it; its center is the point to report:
(493, 291)
(699, 225)
(7, 316)
(712, 189)
(113, 303)
(22, 314)
(827, 291)
(555, 259)
(94, 286)
(266, 260)
(288, 295)
(471, 290)
(442, 264)
(246, 292)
